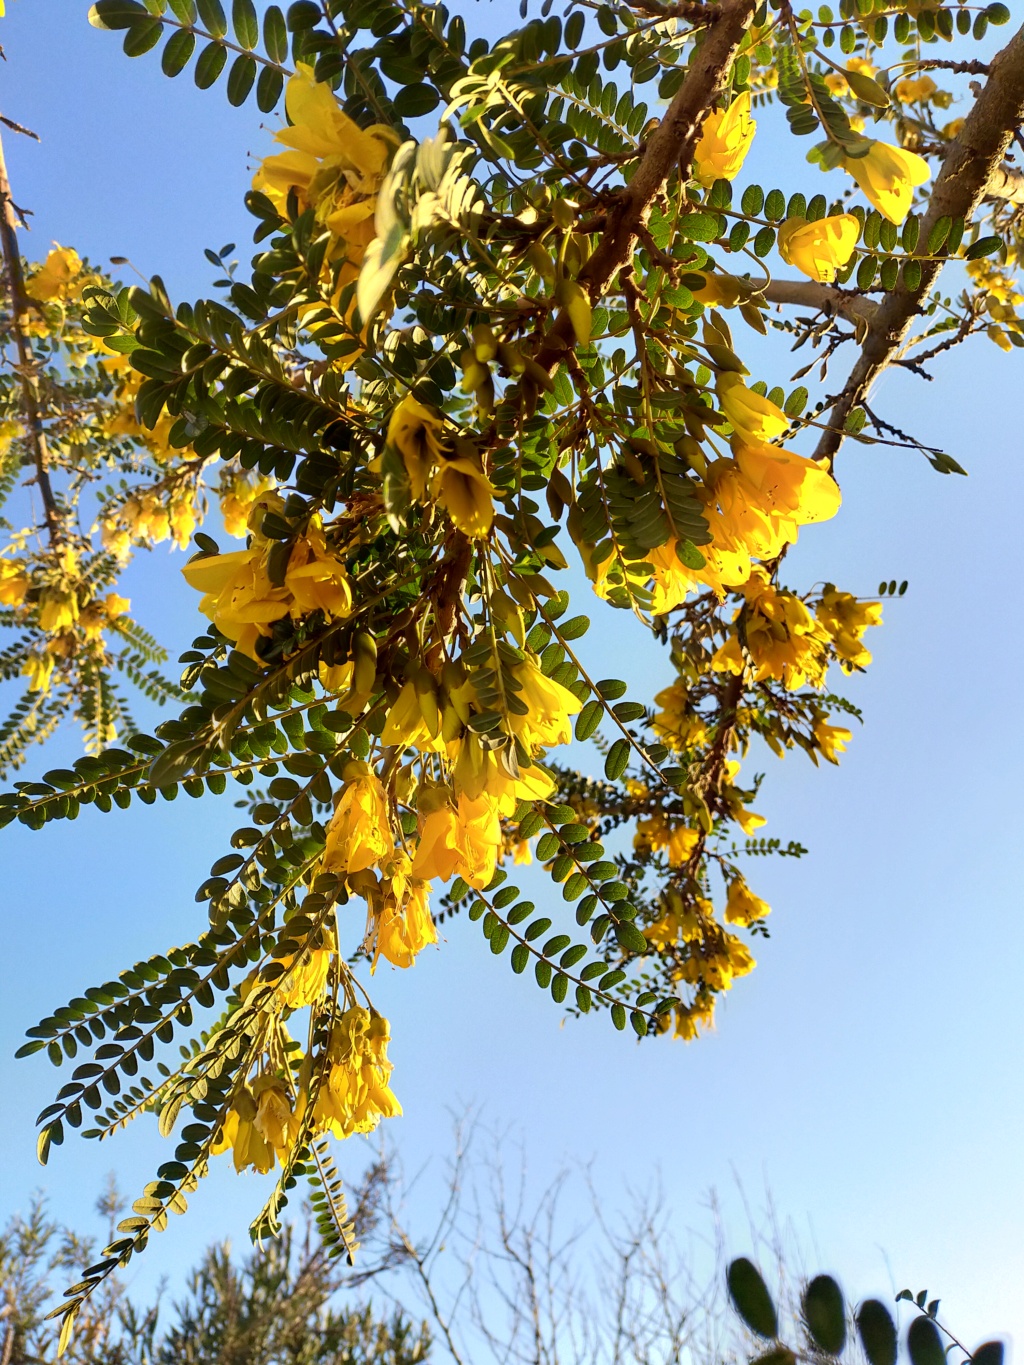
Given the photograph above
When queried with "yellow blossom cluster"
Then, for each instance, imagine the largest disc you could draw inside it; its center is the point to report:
(243, 600)
(333, 167)
(1002, 300)
(148, 517)
(237, 492)
(449, 472)
(265, 1117)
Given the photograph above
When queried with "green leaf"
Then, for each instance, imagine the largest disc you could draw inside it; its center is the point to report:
(142, 37)
(212, 17)
(877, 1333)
(629, 937)
(984, 246)
(210, 65)
(924, 1343)
(413, 101)
(176, 55)
(240, 79)
(246, 22)
(867, 90)
(996, 14)
(275, 34)
(751, 1299)
(117, 14)
(268, 89)
(825, 1314)
(589, 719)
(616, 760)
(989, 1353)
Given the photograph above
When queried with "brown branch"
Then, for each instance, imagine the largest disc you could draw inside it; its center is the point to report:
(669, 148)
(826, 298)
(961, 185)
(26, 367)
(1007, 183)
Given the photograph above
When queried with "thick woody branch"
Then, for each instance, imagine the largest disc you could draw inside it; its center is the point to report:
(1006, 183)
(963, 182)
(825, 298)
(26, 363)
(669, 149)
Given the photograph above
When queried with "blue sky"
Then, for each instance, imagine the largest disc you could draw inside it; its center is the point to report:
(869, 1072)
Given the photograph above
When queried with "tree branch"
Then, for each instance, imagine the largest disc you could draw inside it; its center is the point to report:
(967, 171)
(825, 298)
(1006, 183)
(669, 148)
(26, 363)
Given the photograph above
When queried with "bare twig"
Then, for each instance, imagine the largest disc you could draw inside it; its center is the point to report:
(825, 298)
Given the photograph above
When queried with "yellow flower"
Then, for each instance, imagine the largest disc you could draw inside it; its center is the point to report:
(751, 414)
(14, 582)
(786, 485)
(58, 610)
(415, 432)
(38, 668)
(742, 906)
(550, 706)
(250, 1146)
(831, 739)
(305, 979)
(465, 492)
(783, 639)
(238, 596)
(914, 90)
(332, 163)
(316, 578)
(846, 619)
(438, 853)
(677, 723)
(479, 838)
(402, 927)
(359, 836)
(724, 142)
(821, 248)
(862, 65)
(837, 83)
(953, 128)
(237, 494)
(274, 1120)
(55, 278)
(888, 175)
(355, 1094)
(660, 831)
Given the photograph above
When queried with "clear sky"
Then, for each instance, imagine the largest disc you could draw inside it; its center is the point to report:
(868, 1074)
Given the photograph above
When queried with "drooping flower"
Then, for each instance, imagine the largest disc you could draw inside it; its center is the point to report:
(332, 164)
(742, 907)
(831, 740)
(750, 414)
(549, 708)
(355, 1094)
(914, 90)
(846, 618)
(888, 175)
(821, 248)
(306, 977)
(56, 277)
(14, 582)
(786, 485)
(402, 925)
(415, 432)
(724, 142)
(238, 596)
(359, 836)
(783, 639)
(465, 492)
